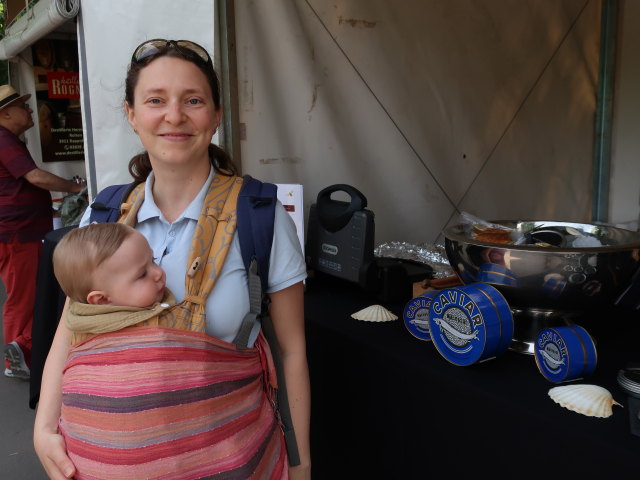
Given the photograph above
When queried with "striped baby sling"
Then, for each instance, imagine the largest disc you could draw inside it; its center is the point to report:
(166, 400)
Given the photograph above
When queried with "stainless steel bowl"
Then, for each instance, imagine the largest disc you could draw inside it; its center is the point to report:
(548, 285)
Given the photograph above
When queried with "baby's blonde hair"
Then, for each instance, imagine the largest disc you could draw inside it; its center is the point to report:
(81, 251)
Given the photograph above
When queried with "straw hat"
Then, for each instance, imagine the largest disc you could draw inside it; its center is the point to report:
(8, 96)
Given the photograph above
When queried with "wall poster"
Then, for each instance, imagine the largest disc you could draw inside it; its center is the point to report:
(55, 67)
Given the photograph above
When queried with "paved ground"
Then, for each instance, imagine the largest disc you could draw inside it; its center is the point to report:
(18, 460)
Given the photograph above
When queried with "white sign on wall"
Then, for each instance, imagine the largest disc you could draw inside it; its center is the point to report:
(290, 195)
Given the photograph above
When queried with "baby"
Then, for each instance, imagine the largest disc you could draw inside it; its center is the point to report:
(142, 397)
(108, 273)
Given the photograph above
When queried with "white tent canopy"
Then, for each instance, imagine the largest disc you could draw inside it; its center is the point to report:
(428, 108)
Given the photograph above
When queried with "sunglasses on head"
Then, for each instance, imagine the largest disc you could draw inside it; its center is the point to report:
(151, 47)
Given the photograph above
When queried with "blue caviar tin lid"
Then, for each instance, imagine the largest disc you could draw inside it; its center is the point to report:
(470, 323)
(565, 353)
(416, 315)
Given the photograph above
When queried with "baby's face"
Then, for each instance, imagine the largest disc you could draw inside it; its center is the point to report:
(130, 277)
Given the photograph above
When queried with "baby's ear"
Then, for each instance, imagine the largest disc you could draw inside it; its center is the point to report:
(98, 297)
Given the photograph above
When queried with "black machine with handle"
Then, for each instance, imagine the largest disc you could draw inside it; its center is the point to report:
(340, 243)
(340, 235)
(334, 215)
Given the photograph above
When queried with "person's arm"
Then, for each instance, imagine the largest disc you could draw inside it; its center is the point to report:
(287, 313)
(48, 442)
(49, 181)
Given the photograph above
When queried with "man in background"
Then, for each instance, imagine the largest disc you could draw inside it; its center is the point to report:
(26, 215)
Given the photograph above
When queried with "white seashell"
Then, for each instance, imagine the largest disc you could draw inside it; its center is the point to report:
(589, 400)
(374, 313)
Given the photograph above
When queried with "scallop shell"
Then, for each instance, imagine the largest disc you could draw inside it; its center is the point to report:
(374, 313)
(589, 400)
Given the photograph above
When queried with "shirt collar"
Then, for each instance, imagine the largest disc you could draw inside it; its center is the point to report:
(149, 209)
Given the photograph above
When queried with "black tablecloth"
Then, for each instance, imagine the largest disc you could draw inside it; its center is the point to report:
(387, 405)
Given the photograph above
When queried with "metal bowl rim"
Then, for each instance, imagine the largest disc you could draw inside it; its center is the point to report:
(452, 236)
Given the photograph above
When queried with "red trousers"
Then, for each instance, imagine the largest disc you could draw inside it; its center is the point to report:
(18, 270)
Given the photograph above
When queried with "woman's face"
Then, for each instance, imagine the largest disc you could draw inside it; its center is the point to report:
(173, 112)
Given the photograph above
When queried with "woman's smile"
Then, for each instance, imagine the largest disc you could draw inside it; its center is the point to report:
(175, 136)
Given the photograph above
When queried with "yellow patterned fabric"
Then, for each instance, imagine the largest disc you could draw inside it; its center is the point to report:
(213, 236)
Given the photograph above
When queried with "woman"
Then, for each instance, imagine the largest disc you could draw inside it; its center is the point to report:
(172, 101)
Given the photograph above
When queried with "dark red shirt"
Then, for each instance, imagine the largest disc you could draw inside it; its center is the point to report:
(25, 210)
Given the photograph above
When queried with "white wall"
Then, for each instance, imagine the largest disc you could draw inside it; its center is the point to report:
(111, 31)
(424, 106)
(625, 167)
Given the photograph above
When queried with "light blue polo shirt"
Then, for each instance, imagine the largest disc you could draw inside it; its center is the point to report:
(228, 302)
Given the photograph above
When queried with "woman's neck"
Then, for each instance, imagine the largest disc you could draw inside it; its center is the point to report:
(175, 189)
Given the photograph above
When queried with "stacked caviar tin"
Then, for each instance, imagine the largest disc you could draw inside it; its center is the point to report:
(470, 324)
(473, 323)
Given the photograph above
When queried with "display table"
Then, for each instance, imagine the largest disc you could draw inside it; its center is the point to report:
(386, 405)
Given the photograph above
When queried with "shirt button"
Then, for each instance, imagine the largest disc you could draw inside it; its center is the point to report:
(172, 233)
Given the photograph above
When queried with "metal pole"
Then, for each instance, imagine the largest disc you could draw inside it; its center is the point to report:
(229, 80)
(604, 111)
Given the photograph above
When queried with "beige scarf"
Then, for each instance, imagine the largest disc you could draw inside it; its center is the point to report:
(94, 319)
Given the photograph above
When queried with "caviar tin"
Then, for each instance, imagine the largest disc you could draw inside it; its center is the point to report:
(496, 275)
(416, 315)
(565, 353)
(470, 324)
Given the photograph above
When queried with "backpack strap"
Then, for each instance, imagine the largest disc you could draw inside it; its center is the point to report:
(283, 408)
(106, 205)
(256, 217)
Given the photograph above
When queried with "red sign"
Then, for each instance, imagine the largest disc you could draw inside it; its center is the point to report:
(63, 84)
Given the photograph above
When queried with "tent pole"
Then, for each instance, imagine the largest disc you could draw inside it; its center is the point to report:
(229, 80)
(604, 112)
